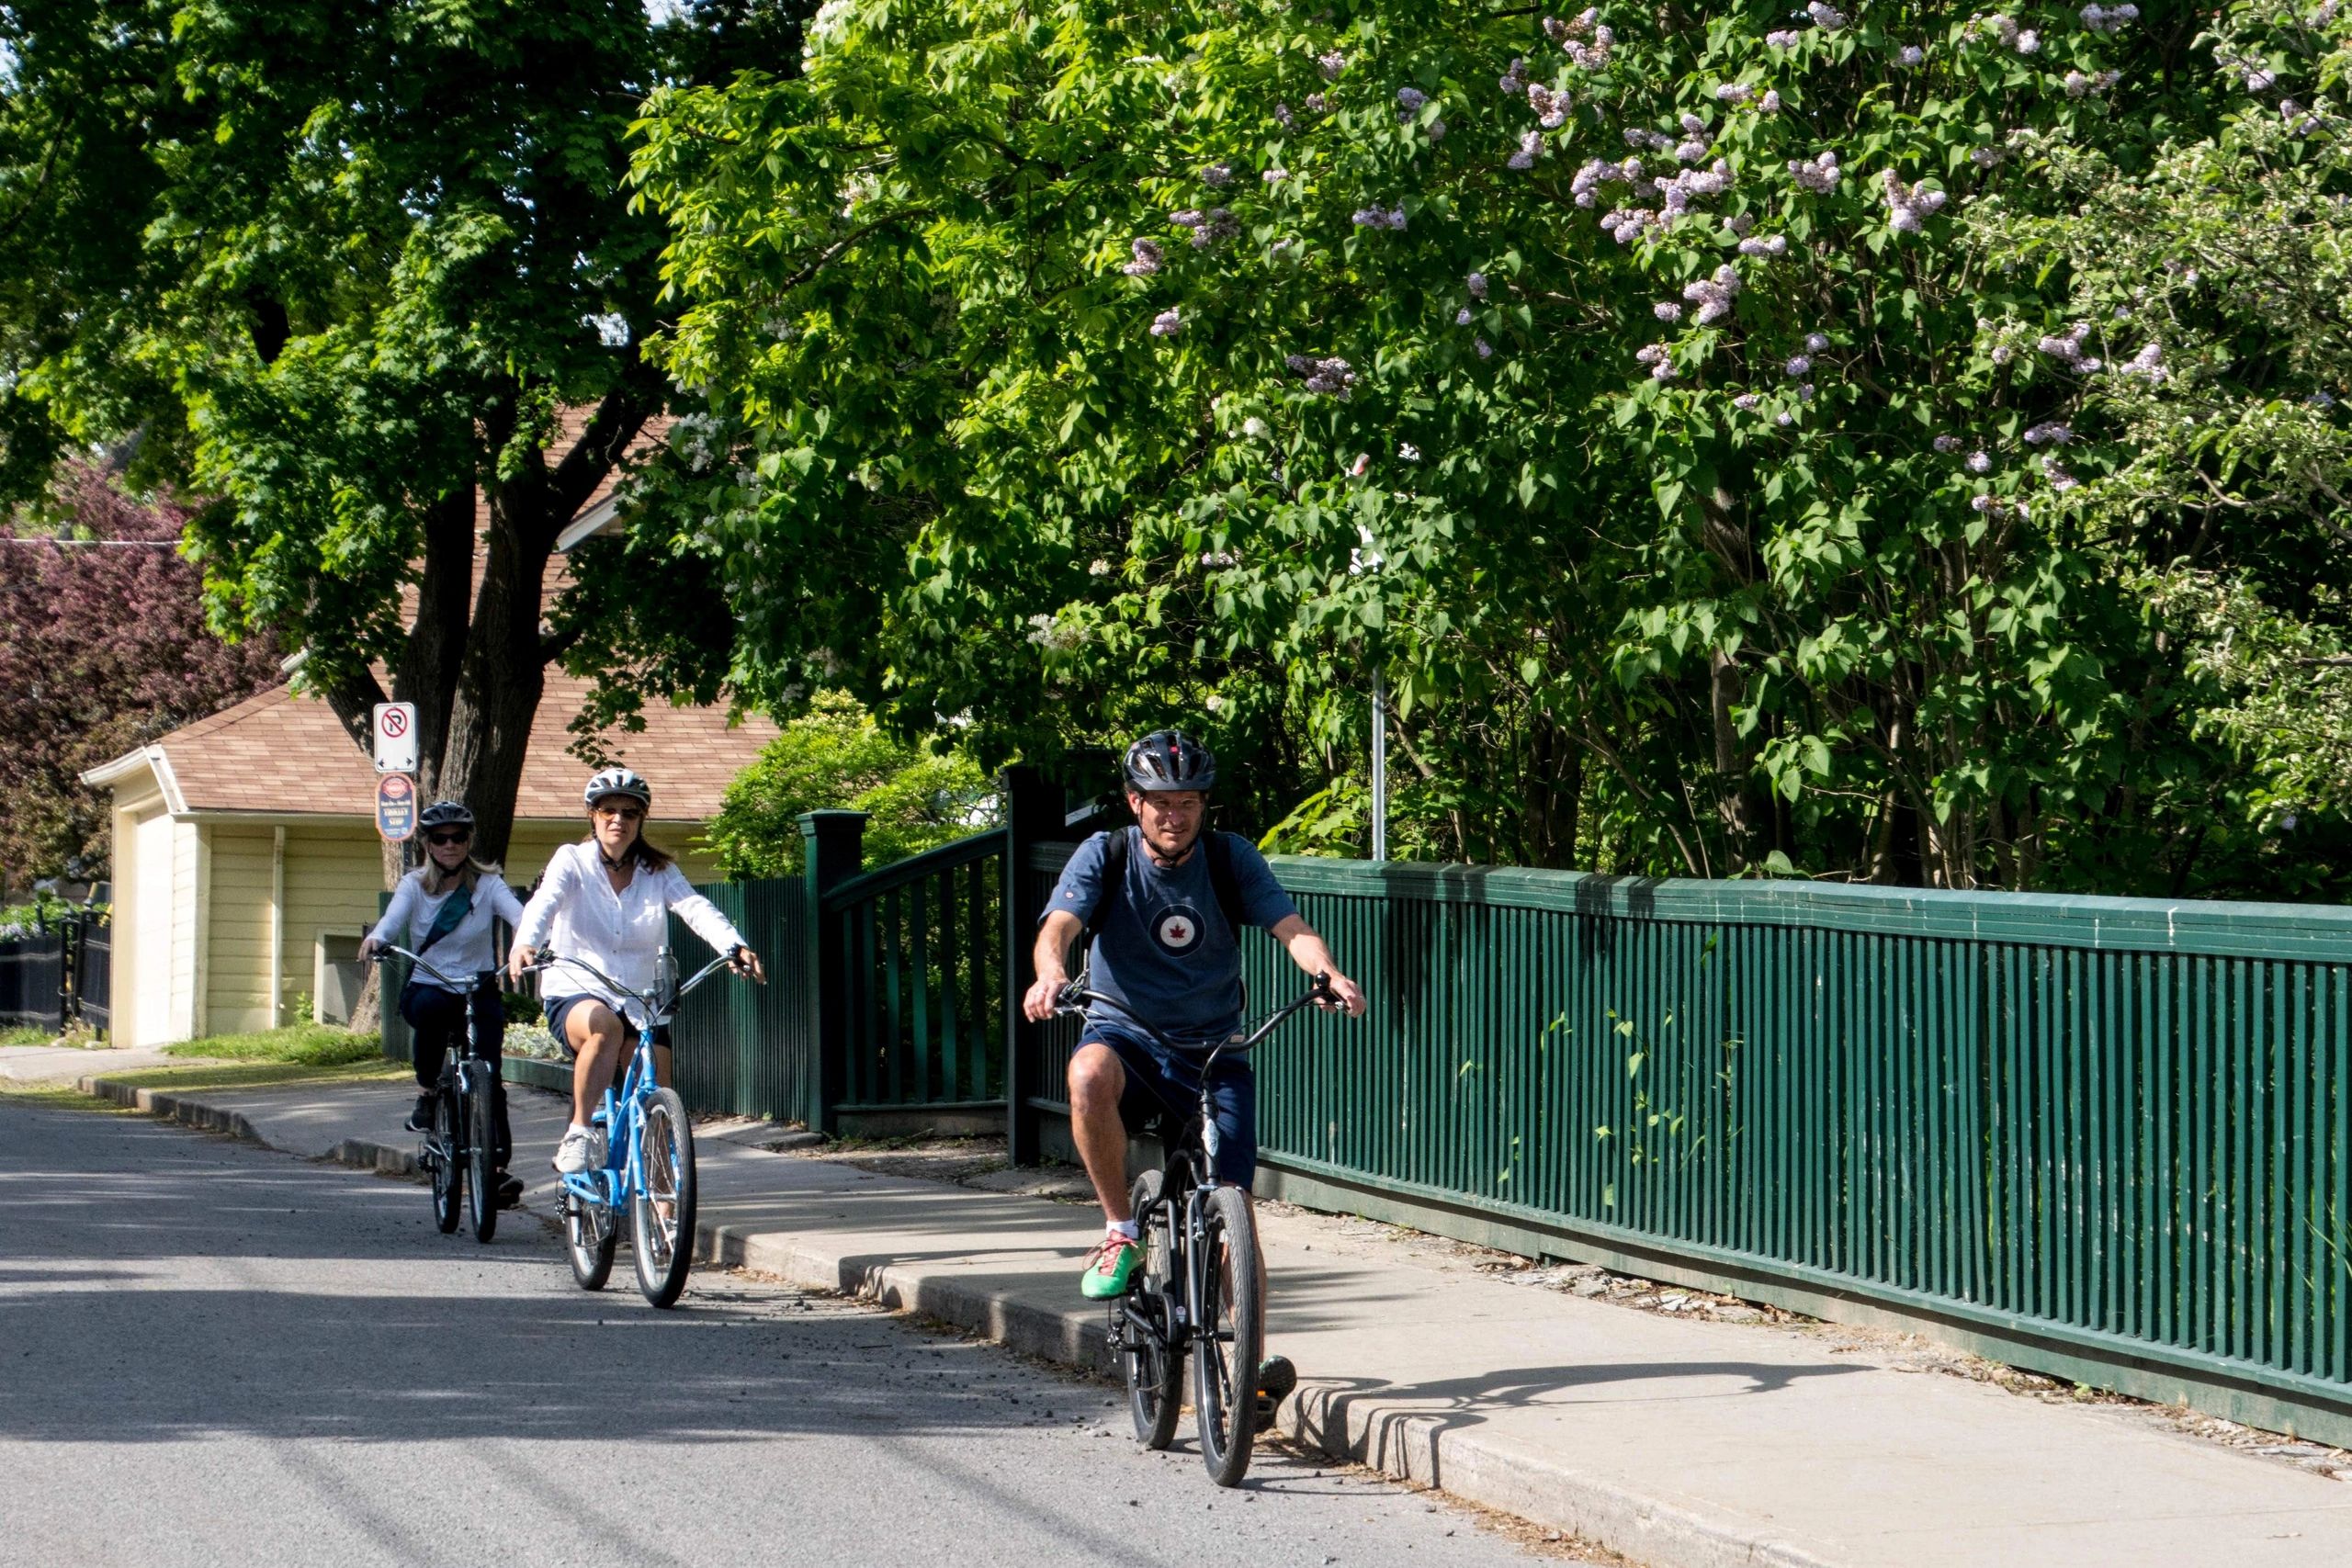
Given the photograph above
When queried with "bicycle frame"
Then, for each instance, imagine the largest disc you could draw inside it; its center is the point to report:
(622, 1176)
(469, 1062)
(1191, 1162)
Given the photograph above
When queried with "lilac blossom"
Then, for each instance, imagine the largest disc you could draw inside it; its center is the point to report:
(1713, 296)
(1462, 317)
(1476, 284)
(1745, 400)
(1821, 176)
(1666, 310)
(1486, 350)
(2108, 18)
(1783, 39)
(1551, 107)
(1275, 175)
(1980, 462)
(1284, 118)
(1331, 377)
(1332, 64)
(1374, 218)
(1764, 246)
(1513, 82)
(1319, 103)
(1437, 130)
(1217, 175)
(1168, 323)
(1410, 99)
(1826, 17)
(1815, 343)
(1797, 366)
(1531, 146)
(1651, 353)
(2060, 479)
(1947, 443)
(1911, 54)
(1909, 206)
(1149, 256)
(2149, 363)
(1769, 103)
(1733, 93)
(2050, 433)
(1986, 157)
(2067, 349)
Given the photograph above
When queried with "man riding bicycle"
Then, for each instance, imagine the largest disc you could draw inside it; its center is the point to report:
(1164, 904)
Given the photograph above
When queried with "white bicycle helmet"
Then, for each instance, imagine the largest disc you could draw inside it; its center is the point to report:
(618, 781)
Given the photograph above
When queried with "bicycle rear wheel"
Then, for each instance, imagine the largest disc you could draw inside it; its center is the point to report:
(448, 1173)
(1232, 1334)
(1154, 1355)
(661, 1212)
(591, 1231)
(481, 1155)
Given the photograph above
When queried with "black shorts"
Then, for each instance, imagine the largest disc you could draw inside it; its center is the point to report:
(1164, 1088)
(559, 1007)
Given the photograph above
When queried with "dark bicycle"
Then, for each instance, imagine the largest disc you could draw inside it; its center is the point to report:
(1197, 1292)
(460, 1150)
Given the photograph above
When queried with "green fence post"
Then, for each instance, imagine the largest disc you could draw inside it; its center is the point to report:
(1033, 815)
(836, 850)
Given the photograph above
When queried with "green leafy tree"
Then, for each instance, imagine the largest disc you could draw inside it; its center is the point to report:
(916, 796)
(366, 276)
(1719, 427)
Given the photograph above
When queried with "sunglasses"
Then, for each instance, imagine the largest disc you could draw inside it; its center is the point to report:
(448, 838)
(625, 813)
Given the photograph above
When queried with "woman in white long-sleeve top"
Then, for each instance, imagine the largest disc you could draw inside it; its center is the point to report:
(444, 909)
(608, 899)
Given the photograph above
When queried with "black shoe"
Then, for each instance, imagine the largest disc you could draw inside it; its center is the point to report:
(421, 1119)
(510, 1191)
(1276, 1378)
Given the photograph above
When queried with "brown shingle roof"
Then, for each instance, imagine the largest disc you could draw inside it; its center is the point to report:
(286, 754)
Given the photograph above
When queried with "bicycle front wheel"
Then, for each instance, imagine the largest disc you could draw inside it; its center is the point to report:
(449, 1171)
(661, 1212)
(481, 1157)
(1232, 1334)
(1153, 1357)
(591, 1231)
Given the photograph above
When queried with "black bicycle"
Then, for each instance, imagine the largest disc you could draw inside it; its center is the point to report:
(1197, 1292)
(460, 1150)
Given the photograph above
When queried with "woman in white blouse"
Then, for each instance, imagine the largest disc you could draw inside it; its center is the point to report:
(607, 899)
(443, 910)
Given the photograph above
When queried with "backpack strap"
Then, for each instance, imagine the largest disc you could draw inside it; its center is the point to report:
(1219, 848)
(1113, 884)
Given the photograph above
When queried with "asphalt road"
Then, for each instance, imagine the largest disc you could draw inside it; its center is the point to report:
(212, 1353)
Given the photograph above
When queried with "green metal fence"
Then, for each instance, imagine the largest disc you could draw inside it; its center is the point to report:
(741, 1049)
(2116, 1131)
(923, 1002)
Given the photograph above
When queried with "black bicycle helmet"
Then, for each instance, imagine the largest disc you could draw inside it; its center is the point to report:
(446, 814)
(1167, 759)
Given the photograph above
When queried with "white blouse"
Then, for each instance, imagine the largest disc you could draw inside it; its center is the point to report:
(408, 920)
(575, 913)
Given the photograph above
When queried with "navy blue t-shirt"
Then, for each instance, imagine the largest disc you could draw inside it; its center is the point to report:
(1162, 951)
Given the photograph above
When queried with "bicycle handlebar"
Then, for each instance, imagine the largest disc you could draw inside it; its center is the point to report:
(417, 960)
(1073, 995)
(655, 1009)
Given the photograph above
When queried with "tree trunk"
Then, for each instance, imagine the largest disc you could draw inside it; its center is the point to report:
(437, 641)
(501, 680)
(1734, 800)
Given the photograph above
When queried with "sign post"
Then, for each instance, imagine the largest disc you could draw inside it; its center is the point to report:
(396, 737)
(396, 808)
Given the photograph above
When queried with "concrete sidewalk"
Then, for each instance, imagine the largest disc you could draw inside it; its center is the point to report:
(69, 1063)
(1679, 1444)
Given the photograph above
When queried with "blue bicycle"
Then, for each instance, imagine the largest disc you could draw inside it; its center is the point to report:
(649, 1170)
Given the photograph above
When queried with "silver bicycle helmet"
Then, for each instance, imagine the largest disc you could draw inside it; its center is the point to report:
(446, 814)
(618, 781)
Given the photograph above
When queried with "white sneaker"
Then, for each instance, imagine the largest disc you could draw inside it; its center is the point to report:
(578, 1152)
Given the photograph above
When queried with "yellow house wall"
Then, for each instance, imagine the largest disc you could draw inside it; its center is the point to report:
(136, 799)
(191, 879)
(334, 873)
(237, 993)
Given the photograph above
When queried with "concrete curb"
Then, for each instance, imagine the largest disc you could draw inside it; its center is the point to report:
(1422, 1450)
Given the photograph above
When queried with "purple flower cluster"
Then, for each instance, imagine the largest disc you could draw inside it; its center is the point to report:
(1783, 39)
(2079, 85)
(2297, 122)
(1817, 342)
(1797, 366)
(1531, 147)
(1319, 103)
(1208, 227)
(1986, 157)
(1659, 358)
(1769, 103)
(1821, 176)
(1374, 217)
(1909, 206)
(1217, 175)
(2060, 479)
(1910, 55)
(1584, 41)
(1764, 246)
(1980, 462)
(1410, 99)
(1330, 377)
(2148, 363)
(1149, 256)
(1829, 19)
(1513, 82)
(1745, 400)
(1284, 118)
(2067, 349)
(2108, 18)
(1275, 175)
(1462, 317)
(1168, 323)
(1713, 296)
(1598, 172)
(2048, 433)
(1551, 109)
(1733, 93)
(2025, 41)
(1332, 65)
(1666, 310)
(1947, 443)
(1625, 224)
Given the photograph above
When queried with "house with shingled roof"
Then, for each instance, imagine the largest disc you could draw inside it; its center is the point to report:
(247, 868)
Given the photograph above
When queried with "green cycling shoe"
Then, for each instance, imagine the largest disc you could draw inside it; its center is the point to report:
(1112, 1265)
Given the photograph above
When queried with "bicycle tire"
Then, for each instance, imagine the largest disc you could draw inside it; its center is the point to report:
(482, 1159)
(664, 1251)
(1231, 1333)
(590, 1232)
(448, 1172)
(1155, 1372)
